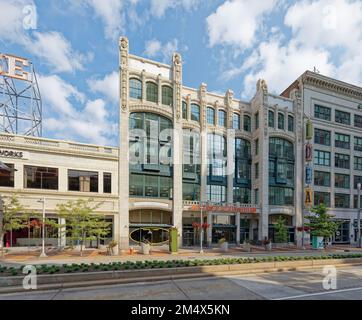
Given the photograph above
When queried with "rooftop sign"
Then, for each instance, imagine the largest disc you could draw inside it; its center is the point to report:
(14, 67)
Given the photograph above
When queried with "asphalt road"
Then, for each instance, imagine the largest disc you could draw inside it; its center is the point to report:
(293, 285)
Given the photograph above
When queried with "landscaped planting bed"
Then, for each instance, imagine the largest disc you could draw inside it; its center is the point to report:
(134, 265)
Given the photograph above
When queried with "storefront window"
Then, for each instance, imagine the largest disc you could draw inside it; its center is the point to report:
(40, 178)
(84, 181)
(7, 178)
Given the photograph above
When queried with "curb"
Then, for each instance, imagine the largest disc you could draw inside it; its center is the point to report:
(120, 277)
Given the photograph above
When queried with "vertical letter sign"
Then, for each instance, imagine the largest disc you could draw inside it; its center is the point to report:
(308, 175)
(308, 197)
(309, 130)
(308, 152)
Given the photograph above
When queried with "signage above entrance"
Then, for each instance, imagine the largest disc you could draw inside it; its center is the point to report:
(11, 154)
(223, 208)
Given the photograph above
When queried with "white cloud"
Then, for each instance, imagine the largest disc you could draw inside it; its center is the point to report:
(90, 121)
(159, 7)
(51, 47)
(108, 86)
(236, 22)
(154, 48)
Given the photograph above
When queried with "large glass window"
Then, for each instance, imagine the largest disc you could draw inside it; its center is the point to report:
(216, 193)
(135, 88)
(150, 186)
(236, 121)
(342, 161)
(281, 196)
(191, 165)
(222, 118)
(322, 178)
(242, 195)
(281, 121)
(184, 110)
(322, 137)
(281, 148)
(217, 156)
(7, 178)
(290, 123)
(167, 96)
(271, 123)
(322, 197)
(210, 115)
(152, 92)
(107, 182)
(247, 124)
(322, 112)
(322, 158)
(357, 144)
(357, 121)
(343, 117)
(195, 112)
(341, 200)
(341, 181)
(191, 191)
(40, 177)
(358, 163)
(84, 181)
(242, 162)
(356, 181)
(342, 140)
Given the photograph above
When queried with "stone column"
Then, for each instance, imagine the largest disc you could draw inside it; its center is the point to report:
(230, 147)
(19, 176)
(203, 140)
(177, 146)
(123, 164)
(61, 233)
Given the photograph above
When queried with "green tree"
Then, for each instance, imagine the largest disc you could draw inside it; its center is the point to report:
(28, 223)
(82, 222)
(321, 223)
(281, 231)
(10, 218)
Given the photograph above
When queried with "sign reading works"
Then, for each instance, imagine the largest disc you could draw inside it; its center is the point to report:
(225, 208)
(11, 154)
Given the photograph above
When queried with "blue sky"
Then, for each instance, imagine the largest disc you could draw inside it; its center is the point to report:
(226, 44)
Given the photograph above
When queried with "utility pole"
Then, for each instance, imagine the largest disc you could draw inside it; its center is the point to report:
(43, 254)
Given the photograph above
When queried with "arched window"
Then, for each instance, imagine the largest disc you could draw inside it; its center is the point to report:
(290, 124)
(151, 92)
(280, 121)
(247, 123)
(222, 118)
(135, 88)
(195, 112)
(167, 96)
(184, 110)
(271, 119)
(236, 121)
(210, 115)
(281, 172)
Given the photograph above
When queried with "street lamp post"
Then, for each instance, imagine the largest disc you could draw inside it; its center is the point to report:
(43, 254)
(201, 229)
(359, 216)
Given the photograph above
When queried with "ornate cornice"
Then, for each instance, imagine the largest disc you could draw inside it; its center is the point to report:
(151, 108)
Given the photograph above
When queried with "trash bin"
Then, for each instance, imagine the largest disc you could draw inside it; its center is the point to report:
(173, 240)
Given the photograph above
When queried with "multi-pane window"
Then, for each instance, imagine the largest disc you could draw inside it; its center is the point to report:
(343, 117)
(84, 181)
(322, 197)
(281, 121)
(341, 200)
(236, 121)
(167, 95)
(195, 112)
(357, 144)
(257, 120)
(342, 161)
(184, 110)
(152, 186)
(135, 88)
(152, 92)
(242, 162)
(216, 194)
(321, 112)
(190, 191)
(210, 115)
(247, 123)
(271, 121)
(242, 195)
(356, 181)
(322, 158)
(358, 163)
(357, 121)
(7, 177)
(322, 137)
(222, 118)
(342, 141)
(40, 178)
(281, 196)
(217, 155)
(107, 182)
(322, 178)
(290, 123)
(341, 181)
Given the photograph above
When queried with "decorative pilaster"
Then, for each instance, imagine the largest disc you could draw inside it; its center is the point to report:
(203, 138)
(121, 235)
(230, 147)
